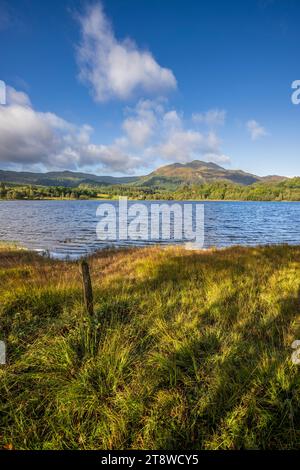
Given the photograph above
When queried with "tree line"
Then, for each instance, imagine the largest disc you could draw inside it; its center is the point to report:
(287, 190)
(44, 192)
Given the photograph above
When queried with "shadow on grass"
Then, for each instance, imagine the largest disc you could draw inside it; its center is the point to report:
(218, 376)
(249, 366)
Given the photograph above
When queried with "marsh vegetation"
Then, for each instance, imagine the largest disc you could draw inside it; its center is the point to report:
(186, 350)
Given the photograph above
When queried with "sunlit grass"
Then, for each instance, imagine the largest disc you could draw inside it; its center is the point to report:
(187, 350)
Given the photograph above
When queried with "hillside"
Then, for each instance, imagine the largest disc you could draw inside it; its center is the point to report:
(69, 179)
(195, 181)
(196, 172)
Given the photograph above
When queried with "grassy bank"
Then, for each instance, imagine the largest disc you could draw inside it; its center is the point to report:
(188, 350)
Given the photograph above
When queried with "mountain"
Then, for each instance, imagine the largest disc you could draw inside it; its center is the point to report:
(198, 172)
(66, 178)
(195, 172)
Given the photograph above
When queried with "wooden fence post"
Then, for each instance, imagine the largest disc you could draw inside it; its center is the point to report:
(87, 287)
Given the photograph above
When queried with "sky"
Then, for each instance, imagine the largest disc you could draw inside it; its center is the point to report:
(123, 86)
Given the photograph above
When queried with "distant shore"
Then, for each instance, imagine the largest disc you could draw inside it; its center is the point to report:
(116, 198)
(160, 189)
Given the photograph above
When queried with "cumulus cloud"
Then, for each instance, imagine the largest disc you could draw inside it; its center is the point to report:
(169, 139)
(256, 130)
(110, 157)
(212, 117)
(184, 145)
(45, 140)
(151, 132)
(25, 136)
(172, 119)
(138, 130)
(181, 145)
(149, 135)
(17, 97)
(112, 68)
(141, 123)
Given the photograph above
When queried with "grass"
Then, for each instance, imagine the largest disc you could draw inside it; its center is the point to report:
(187, 350)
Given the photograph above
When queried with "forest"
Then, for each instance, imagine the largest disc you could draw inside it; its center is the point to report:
(286, 190)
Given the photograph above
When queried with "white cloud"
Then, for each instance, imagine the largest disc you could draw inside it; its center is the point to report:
(110, 157)
(141, 123)
(256, 130)
(17, 97)
(213, 117)
(45, 140)
(217, 158)
(25, 135)
(116, 69)
(149, 135)
(180, 145)
(184, 145)
(167, 137)
(138, 131)
(172, 119)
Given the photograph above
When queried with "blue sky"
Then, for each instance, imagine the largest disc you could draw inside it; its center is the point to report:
(124, 86)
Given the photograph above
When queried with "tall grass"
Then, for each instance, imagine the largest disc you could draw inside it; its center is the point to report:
(187, 350)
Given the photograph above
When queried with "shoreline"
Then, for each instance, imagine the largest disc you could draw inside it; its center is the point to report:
(107, 250)
(151, 200)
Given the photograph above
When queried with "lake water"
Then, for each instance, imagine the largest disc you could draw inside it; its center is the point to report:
(68, 228)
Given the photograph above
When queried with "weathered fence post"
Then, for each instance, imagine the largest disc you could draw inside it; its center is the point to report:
(87, 287)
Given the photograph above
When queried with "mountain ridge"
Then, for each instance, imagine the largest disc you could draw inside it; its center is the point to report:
(195, 172)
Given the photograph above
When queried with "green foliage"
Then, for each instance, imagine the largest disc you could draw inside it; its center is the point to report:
(162, 189)
(44, 192)
(288, 190)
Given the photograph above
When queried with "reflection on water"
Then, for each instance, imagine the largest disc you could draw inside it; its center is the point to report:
(68, 228)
